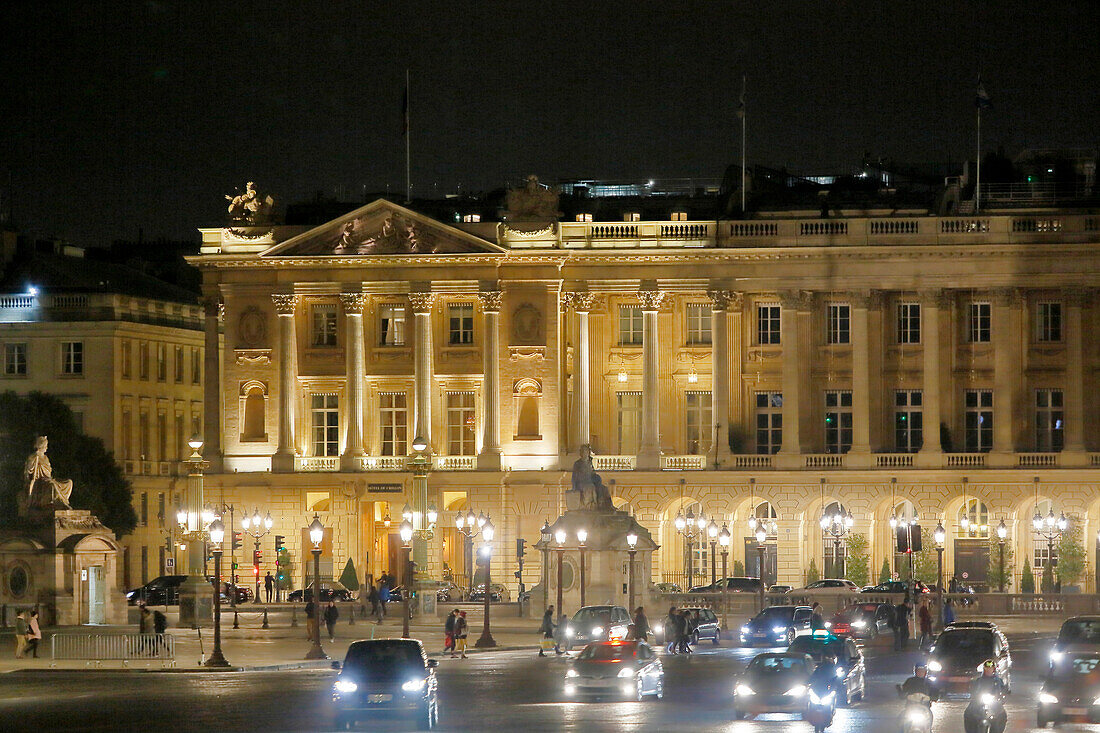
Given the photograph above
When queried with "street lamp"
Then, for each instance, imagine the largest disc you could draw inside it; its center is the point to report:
(582, 536)
(544, 534)
(938, 536)
(316, 535)
(217, 534)
(724, 541)
(712, 533)
(194, 519)
(560, 537)
(1049, 528)
(690, 529)
(837, 526)
(487, 532)
(256, 529)
(761, 539)
(631, 550)
(470, 527)
(1002, 533)
(406, 534)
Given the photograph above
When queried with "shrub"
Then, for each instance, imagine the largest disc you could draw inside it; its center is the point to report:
(1027, 578)
(812, 575)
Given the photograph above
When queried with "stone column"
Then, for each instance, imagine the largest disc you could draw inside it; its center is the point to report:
(1007, 370)
(422, 381)
(1074, 402)
(489, 458)
(932, 304)
(795, 373)
(285, 304)
(352, 459)
(582, 433)
(212, 307)
(861, 381)
(649, 454)
(724, 301)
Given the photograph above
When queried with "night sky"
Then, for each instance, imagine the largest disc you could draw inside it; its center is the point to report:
(124, 115)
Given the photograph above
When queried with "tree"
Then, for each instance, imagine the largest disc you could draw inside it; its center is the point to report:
(349, 578)
(1027, 578)
(993, 574)
(738, 569)
(812, 575)
(884, 572)
(98, 483)
(859, 561)
(1071, 554)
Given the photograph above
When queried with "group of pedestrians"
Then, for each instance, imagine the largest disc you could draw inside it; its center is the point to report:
(379, 595)
(903, 612)
(329, 614)
(679, 627)
(152, 622)
(28, 634)
(455, 633)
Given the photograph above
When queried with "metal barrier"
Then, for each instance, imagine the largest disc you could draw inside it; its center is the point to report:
(112, 646)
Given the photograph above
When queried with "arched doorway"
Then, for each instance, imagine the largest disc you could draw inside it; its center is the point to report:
(762, 516)
(972, 543)
(903, 523)
(834, 546)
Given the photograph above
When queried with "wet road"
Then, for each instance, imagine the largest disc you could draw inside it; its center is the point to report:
(503, 691)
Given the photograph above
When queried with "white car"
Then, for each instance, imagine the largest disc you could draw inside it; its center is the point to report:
(619, 669)
(827, 587)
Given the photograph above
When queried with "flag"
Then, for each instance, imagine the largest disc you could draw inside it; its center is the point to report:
(741, 101)
(981, 100)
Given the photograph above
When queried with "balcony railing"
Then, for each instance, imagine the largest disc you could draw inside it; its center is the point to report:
(614, 463)
(1037, 460)
(683, 463)
(752, 460)
(965, 460)
(894, 460)
(384, 463)
(317, 463)
(454, 463)
(824, 460)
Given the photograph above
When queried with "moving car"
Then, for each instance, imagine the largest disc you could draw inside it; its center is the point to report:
(1080, 633)
(730, 585)
(957, 655)
(329, 592)
(862, 620)
(382, 676)
(891, 586)
(628, 669)
(162, 591)
(827, 587)
(596, 623)
(499, 593)
(849, 673)
(1071, 690)
(774, 682)
(703, 624)
(776, 626)
(777, 588)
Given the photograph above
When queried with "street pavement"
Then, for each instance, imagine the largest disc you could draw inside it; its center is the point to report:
(505, 690)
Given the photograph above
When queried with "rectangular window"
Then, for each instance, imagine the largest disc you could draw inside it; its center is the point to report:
(460, 423)
(394, 418)
(161, 552)
(72, 357)
(698, 323)
(125, 357)
(838, 422)
(196, 366)
(1049, 420)
(144, 516)
(630, 325)
(15, 360)
(323, 324)
(181, 439)
(769, 422)
(162, 362)
(162, 437)
(1049, 322)
(391, 325)
(127, 437)
(840, 321)
(143, 434)
(908, 323)
(143, 360)
(698, 428)
(144, 564)
(980, 319)
(160, 509)
(460, 324)
(629, 422)
(325, 410)
(979, 420)
(178, 364)
(908, 421)
(1041, 553)
(767, 324)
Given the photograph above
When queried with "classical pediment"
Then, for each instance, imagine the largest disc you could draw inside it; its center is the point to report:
(382, 228)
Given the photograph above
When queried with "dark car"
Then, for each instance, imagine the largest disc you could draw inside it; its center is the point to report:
(1080, 633)
(382, 676)
(162, 591)
(703, 624)
(243, 593)
(890, 586)
(628, 669)
(957, 655)
(776, 626)
(850, 672)
(774, 682)
(328, 593)
(730, 585)
(1071, 690)
(596, 623)
(862, 620)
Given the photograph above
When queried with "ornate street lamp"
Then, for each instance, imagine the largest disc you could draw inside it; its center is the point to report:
(761, 539)
(724, 541)
(1049, 528)
(256, 529)
(582, 536)
(691, 529)
(837, 526)
(406, 534)
(217, 534)
(487, 532)
(631, 551)
(545, 544)
(316, 535)
(938, 536)
(712, 533)
(560, 537)
(1002, 534)
(470, 527)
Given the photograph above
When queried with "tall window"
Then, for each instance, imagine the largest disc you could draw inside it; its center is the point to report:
(769, 422)
(72, 357)
(162, 362)
(630, 325)
(460, 423)
(700, 554)
(15, 360)
(1049, 322)
(460, 318)
(1043, 552)
(979, 420)
(840, 320)
(162, 436)
(699, 430)
(698, 324)
(144, 508)
(391, 325)
(908, 421)
(323, 324)
(908, 323)
(144, 564)
(1048, 420)
(127, 436)
(178, 364)
(125, 357)
(181, 437)
(395, 426)
(980, 319)
(767, 324)
(143, 360)
(196, 366)
(629, 427)
(838, 422)
(143, 435)
(325, 410)
(160, 509)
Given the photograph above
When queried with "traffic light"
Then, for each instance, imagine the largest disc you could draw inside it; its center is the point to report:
(236, 540)
(257, 557)
(279, 543)
(521, 546)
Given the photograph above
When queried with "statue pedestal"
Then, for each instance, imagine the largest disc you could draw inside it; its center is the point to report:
(196, 603)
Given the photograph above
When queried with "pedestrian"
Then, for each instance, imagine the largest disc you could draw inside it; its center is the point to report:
(684, 631)
(672, 624)
(160, 626)
(901, 626)
(924, 619)
(145, 627)
(547, 629)
(953, 585)
(383, 597)
(34, 633)
(461, 628)
(20, 634)
(948, 612)
(641, 624)
(269, 585)
(331, 614)
(311, 619)
(449, 632)
(375, 604)
(559, 632)
(817, 621)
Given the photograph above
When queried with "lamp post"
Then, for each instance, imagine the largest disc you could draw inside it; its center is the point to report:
(690, 528)
(316, 535)
(469, 526)
(193, 519)
(406, 533)
(1002, 534)
(712, 532)
(560, 538)
(837, 526)
(582, 536)
(631, 550)
(487, 533)
(1049, 528)
(770, 529)
(724, 541)
(544, 533)
(220, 509)
(217, 533)
(938, 536)
(256, 529)
(761, 538)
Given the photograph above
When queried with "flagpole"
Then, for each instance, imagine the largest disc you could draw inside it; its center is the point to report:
(743, 115)
(408, 134)
(978, 167)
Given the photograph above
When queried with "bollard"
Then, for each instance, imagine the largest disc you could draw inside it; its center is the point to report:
(351, 616)
(294, 616)
(265, 626)
(236, 624)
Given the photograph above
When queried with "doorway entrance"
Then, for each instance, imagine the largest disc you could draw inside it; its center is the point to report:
(752, 561)
(97, 596)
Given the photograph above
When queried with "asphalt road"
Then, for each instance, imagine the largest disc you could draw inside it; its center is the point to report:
(501, 691)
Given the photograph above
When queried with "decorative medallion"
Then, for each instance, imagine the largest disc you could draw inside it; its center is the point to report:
(252, 327)
(527, 326)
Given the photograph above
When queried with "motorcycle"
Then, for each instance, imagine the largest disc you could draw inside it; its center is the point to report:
(820, 707)
(917, 715)
(990, 717)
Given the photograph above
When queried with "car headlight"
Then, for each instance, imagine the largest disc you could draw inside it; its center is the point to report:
(597, 630)
(743, 689)
(859, 624)
(828, 624)
(826, 699)
(571, 673)
(840, 672)
(414, 685)
(626, 673)
(779, 629)
(934, 666)
(1056, 656)
(796, 691)
(1047, 699)
(345, 686)
(918, 715)
(745, 630)
(568, 630)
(987, 698)
(1096, 701)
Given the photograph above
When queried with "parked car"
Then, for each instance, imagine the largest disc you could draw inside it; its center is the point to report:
(731, 585)
(329, 592)
(776, 626)
(851, 672)
(445, 590)
(596, 623)
(244, 594)
(616, 669)
(500, 594)
(386, 676)
(958, 652)
(893, 586)
(862, 620)
(827, 587)
(779, 588)
(162, 591)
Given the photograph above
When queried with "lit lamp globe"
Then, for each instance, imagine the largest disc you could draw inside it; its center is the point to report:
(939, 535)
(433, 514)
(679, 522)
(632, 540)
(724, 537)
(761, 536)
(406, 531)
(1002, 530)
(217, 531)
(849, 520)
(701, 522)
(545, 531)
(419, 444)
(582, 535)
(1037, 521)
(268, 522)
(181, 517)
(488, 530)
(1063, 523)
(826, 520)
(460, 520)
(245, 521)
(560, 536)
(195, 443)
(712, 530)
(316, 531)
(481, 519)
(407, 513)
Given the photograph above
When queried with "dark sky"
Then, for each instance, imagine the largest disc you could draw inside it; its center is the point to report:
(123, 115)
